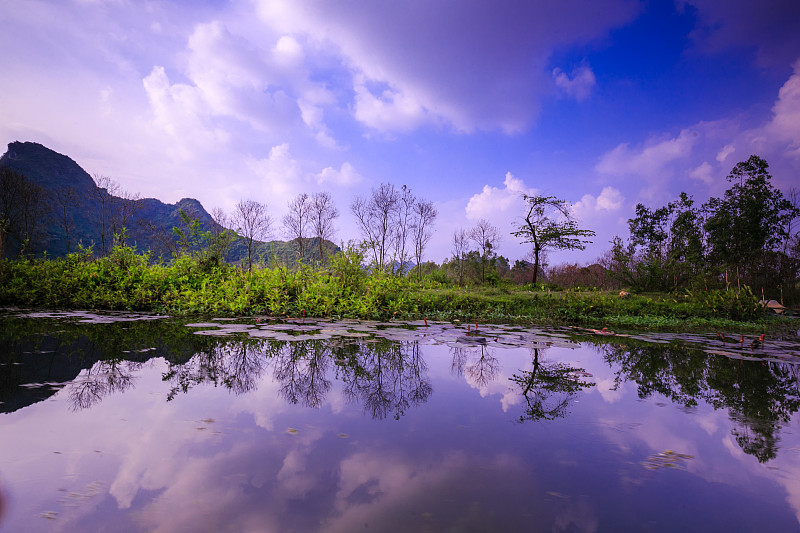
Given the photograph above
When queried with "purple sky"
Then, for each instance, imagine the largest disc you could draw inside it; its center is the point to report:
(469, 103)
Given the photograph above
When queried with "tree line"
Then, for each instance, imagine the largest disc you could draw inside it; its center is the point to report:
(745, 237)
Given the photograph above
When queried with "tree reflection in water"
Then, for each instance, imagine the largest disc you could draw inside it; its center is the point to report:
(548, 387)
(386, 377)
(482, 370)
(760, 396)
(301, 369)
(103, 378)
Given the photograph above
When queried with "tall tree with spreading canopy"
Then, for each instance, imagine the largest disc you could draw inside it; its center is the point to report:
(749, 221)
(549, 225)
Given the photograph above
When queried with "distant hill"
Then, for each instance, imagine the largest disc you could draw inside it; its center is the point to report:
(71, 204)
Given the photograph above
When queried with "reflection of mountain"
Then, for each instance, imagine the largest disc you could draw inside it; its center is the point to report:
(760, 397)
(36, 360)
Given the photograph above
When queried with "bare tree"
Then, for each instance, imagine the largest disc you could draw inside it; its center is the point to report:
(296, 220)
(375, 216)
(104, 193)
(252, 223)
(323, 212)
(221, 236)
(123, 208)
(460, 246)
(65, 199)
(424, 216)
(403, 227)
(22, 206)
(486, 237)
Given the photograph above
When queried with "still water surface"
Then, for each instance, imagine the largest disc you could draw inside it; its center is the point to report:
(133, 423)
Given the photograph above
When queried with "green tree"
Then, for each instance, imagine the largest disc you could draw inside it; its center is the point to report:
(486, 237)
(549, 225)
(666, 246)
(749, 222)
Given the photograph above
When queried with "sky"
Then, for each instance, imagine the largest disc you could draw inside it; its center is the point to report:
(469, 103)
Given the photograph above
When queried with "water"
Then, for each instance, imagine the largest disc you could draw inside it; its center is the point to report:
(132, 423)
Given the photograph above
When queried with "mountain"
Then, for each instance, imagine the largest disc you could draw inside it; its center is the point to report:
(49, 202)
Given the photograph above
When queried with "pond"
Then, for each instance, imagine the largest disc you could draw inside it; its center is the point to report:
(122, 422)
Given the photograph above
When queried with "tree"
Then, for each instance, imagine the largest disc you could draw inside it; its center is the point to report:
(424, 216)
(65, 199)
(123, 207)
(548, 388)
(375, 216)
(548, 224)
(104, 191)
(460, 244)
(220, 237)
(22, 206)
(749, 221)
(686, 255)
(296, 220)
(321, 217)
(486, 237)
(252, 223)
(403, 227)
(671, 243)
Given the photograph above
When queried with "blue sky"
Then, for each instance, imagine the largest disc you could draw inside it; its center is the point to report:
(469, 103)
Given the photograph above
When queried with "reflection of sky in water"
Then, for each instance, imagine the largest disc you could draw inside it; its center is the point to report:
(212, 460)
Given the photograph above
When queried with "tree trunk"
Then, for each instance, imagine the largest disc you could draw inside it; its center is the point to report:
(535, 265)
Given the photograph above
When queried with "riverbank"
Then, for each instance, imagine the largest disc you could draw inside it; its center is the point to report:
(184, 287)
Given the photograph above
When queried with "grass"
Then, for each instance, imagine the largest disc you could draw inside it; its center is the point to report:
(126, 280)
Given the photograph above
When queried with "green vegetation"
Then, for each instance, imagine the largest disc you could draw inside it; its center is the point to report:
(685, 266)
(746, 237)
(192, 285)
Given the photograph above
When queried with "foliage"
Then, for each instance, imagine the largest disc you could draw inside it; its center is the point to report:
(743, 238)
(549, 225)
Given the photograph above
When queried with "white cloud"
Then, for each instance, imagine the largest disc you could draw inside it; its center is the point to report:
(648, 160)
(579, 86)
(723, 154)
(391, 110)
(609, 200)
(279, 174)
(785, 123)
(429, 57)
(493, 201)
(346, 176)
(178, 111)
(288, 51)
(702, 173)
